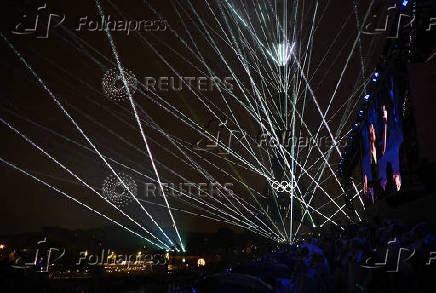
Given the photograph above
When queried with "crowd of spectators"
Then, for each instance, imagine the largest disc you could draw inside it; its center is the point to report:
(390, 257)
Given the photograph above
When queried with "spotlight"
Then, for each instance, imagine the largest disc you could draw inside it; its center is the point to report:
(404, 4)
(361, 113)
(356, 126)
(375, 76)
(283, 53)
(366, 98)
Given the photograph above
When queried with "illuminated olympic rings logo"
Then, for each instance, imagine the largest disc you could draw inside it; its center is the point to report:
(283, 186)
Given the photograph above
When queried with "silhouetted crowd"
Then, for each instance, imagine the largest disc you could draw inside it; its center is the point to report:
(388, 258)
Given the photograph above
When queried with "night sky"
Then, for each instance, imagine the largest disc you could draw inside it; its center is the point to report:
(69, 69)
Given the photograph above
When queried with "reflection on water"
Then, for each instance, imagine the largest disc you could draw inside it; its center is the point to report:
(35, 282)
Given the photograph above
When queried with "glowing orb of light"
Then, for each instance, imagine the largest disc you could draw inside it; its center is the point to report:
(201, 262)
(115, 192)
(114, 87)
(283, 53)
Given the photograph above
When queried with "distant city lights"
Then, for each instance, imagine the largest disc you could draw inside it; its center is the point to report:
(201, 262)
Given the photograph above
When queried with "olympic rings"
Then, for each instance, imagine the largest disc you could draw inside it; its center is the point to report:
(283, 186)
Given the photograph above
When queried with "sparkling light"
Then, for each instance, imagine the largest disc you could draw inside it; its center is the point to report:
(283, 53)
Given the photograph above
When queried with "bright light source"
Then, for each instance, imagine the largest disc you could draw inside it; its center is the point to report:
(366, 98)
(201, 262)
(405, 2)
(2, 246)
(283, 53)
(375, 76)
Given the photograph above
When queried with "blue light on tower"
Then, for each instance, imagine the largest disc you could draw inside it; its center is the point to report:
(375, 76)
(404, 4)
(366, 98)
